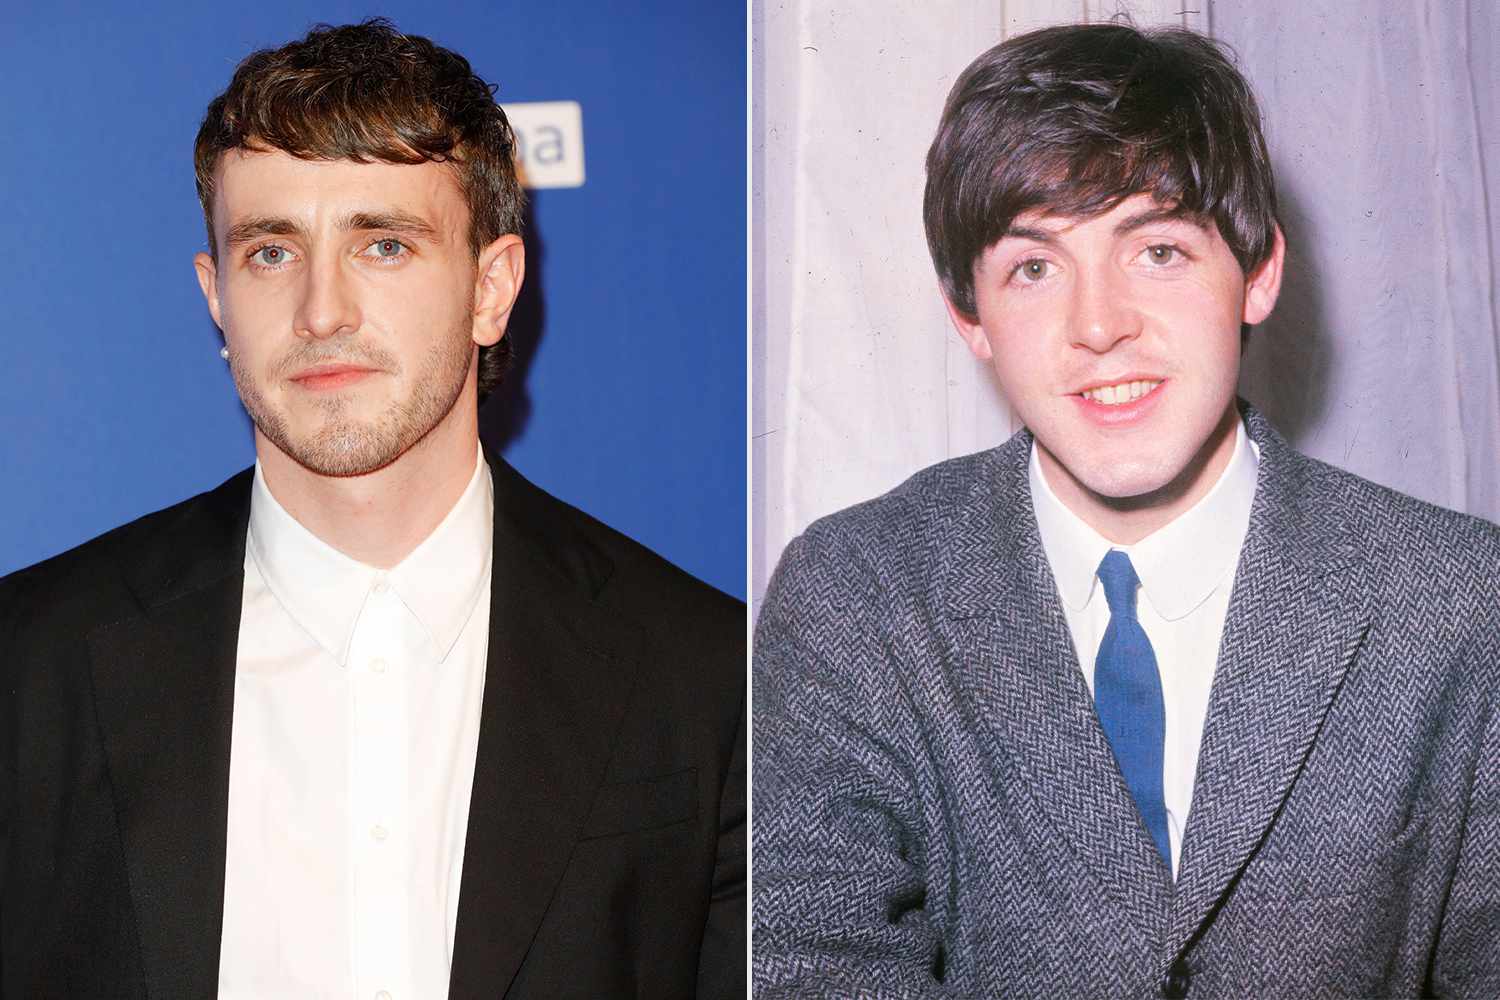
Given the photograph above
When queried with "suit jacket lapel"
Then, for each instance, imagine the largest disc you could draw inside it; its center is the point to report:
(1297, 616)
(558, 679)
(1018, 661)
(164, 692)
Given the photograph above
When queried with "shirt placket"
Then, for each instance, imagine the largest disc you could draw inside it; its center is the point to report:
(379, 834)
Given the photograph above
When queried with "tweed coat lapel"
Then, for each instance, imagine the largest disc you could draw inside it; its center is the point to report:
(164, 695)
(1297, 616)
(1018, 663)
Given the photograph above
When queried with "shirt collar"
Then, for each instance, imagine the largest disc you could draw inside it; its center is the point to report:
(325, 591)
(1180, 564)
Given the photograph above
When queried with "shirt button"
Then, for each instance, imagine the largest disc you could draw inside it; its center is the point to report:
(379, 832)
(382, 995)
(377, 665)
(381, 586)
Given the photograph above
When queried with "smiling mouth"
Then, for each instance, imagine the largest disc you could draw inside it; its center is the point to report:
(1120, 393)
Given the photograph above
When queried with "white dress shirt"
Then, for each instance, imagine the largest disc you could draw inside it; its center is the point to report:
(1186, 569)
(356, 722)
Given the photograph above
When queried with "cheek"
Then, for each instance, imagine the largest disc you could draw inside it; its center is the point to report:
(423, 303)
(251, 308)
(1201, 329)
(1019, 349)
(1219, 347)
(1019, 371)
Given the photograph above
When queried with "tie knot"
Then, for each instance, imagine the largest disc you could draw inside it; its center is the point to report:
(1120, 581)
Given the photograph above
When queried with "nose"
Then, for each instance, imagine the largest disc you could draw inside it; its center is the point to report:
(1104, 315)
(328, 306)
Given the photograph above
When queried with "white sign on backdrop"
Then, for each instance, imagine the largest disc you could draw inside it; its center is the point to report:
(549, 142)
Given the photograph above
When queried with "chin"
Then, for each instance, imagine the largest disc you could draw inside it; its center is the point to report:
(353, 434)
(347, 451)
(1114, 479)
(340, 446)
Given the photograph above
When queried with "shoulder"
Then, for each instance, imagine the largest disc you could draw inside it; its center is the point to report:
(677, 611)
(1404, 542)
(1403, 537)
(682, 618)
(855, 561)
(101, 580)
(1429, 574)
(1429, 579)
(924, 498)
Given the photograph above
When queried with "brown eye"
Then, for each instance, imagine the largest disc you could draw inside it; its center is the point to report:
(1033, 270)
(1162, 253)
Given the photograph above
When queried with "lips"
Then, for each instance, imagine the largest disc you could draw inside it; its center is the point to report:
(330, 376)
(1120, 392)
(1120, 401)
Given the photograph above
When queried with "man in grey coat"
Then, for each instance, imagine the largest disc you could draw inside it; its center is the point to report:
(1141, 702)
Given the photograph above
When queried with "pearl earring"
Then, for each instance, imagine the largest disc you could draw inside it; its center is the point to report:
(224, 352)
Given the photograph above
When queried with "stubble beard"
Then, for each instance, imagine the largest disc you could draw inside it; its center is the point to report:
(345, 445)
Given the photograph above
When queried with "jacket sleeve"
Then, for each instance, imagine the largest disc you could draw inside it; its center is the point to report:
(1467, 958)
(721, 958)
(842, 905)
(7, 726)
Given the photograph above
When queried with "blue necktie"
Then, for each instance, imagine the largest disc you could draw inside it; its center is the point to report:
(1127, 696)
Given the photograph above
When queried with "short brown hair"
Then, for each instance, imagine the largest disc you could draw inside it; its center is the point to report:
(1075, 119)
(365, 92)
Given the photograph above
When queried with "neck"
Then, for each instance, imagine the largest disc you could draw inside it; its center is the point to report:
(379, 517)
(1127, 520)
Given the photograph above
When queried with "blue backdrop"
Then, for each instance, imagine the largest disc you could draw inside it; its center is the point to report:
(628, 399)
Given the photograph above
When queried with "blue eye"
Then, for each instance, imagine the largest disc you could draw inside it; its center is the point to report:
(388, 248)
(270, 256)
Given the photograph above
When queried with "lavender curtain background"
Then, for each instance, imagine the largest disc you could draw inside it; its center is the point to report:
(1383, 356)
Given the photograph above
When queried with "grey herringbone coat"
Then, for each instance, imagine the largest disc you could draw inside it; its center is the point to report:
(937, 811)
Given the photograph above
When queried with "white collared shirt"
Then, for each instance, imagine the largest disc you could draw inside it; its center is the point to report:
(1186, 569)
(356, 721)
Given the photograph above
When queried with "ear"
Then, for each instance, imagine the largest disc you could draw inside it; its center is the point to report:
(1264, 283)
(970, 330)
(208, 280)
(502, 268)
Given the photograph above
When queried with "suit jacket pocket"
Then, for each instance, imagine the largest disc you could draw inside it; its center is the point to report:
(1331, 866)
(644, 804)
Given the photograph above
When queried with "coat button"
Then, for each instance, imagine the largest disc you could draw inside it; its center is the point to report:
(1175, 986)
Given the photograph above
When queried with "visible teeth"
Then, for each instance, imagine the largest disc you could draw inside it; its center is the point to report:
(1121, 392)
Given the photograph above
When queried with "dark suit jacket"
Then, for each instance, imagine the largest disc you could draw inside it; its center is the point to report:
(605, 854)
(937, 810)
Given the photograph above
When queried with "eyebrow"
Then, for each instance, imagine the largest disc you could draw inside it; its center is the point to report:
(395, 221)
(1151, 216)
(1016, 232)
(1124, 227)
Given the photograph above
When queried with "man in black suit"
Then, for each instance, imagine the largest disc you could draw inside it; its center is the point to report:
(376, 717)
